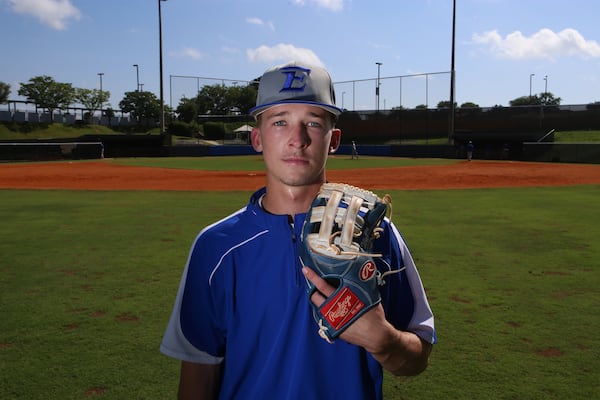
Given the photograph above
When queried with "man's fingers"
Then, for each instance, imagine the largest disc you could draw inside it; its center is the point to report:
(324, 289)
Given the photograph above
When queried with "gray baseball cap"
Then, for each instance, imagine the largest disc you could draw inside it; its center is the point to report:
(295, 83)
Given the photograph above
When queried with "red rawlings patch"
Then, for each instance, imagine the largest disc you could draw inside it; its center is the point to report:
(342, 308)
(367, 271)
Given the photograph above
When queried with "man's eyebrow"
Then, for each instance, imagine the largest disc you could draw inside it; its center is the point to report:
(279, 114)
(283, 113)
(318, 115)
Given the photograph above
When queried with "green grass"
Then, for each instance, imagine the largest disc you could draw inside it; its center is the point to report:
(24, 131)
(513, 277)
(88, 279)
(41, 131)
(255, 162)
(577, 136)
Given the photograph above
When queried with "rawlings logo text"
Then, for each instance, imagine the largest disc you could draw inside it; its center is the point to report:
(342, 308)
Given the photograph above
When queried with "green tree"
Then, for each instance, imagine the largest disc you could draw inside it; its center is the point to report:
(212, 99)
(92, 99)
(548, 99)
(47, 93)
(223, 100)
(445, 104)
(187, 110)
(110, 114)
(4, 92)
(241, 98)
(524, 101)
(543, 99)
(469, 104)
(142, 106)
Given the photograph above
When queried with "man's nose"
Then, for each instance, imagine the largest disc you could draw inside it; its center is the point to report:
(298, 136)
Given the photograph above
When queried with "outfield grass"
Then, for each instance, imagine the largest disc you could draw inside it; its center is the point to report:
(589, 136)
(87, 282)
(255, 162)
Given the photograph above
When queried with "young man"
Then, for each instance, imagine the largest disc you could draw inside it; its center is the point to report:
(242, 324)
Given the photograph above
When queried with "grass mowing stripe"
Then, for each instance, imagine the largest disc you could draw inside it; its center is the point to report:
(512, 275)
(255, 162)
(87, 281)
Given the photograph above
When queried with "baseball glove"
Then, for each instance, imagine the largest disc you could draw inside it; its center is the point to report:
(337, 242)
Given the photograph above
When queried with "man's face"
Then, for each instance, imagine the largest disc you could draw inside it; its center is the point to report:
(295, 140)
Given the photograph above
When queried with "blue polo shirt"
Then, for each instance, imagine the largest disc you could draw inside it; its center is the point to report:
(243, 302)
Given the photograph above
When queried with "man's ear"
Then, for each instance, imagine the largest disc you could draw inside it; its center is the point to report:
(255, 139)
(336, 138)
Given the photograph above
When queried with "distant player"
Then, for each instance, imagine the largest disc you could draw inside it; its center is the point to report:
(354, 151)
(470, 148)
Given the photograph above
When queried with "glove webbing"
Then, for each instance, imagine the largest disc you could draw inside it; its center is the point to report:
(348, 232)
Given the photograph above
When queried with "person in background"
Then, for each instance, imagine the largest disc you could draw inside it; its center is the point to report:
(470, 148)
(354, 151)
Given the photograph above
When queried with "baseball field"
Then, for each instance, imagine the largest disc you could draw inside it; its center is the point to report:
(91, 253)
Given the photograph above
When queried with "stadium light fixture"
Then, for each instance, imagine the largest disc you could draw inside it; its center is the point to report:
(530, 78)
(100, 75)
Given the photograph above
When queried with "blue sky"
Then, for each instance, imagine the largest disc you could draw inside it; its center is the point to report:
(499, 44)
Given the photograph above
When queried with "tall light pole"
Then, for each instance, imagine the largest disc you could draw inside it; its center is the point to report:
(137, 77)
(426, 90)
(378, 83)
(452, 75)
(162, 96)
(530, 77)
(100, 75)
(343, 94)
(545, 84)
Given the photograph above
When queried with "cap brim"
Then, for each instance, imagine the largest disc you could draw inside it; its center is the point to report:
(255, 111)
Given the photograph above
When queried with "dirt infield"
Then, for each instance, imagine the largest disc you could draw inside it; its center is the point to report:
(106, 175)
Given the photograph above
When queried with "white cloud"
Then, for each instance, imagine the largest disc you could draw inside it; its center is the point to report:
(188, 52)
(54, 13)
(283, 52)
(544, 44)
(333, 5)
(260, 22)
(255, 21)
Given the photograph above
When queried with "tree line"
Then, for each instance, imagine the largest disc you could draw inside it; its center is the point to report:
(46, 93)
(215, 99)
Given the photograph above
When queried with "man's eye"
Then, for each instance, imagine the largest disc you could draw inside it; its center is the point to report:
(313, 124)
(279, 123)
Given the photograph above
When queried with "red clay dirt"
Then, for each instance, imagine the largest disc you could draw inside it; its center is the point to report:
(107, 175)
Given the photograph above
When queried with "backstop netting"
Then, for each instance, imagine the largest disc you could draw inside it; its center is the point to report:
(425, 89)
